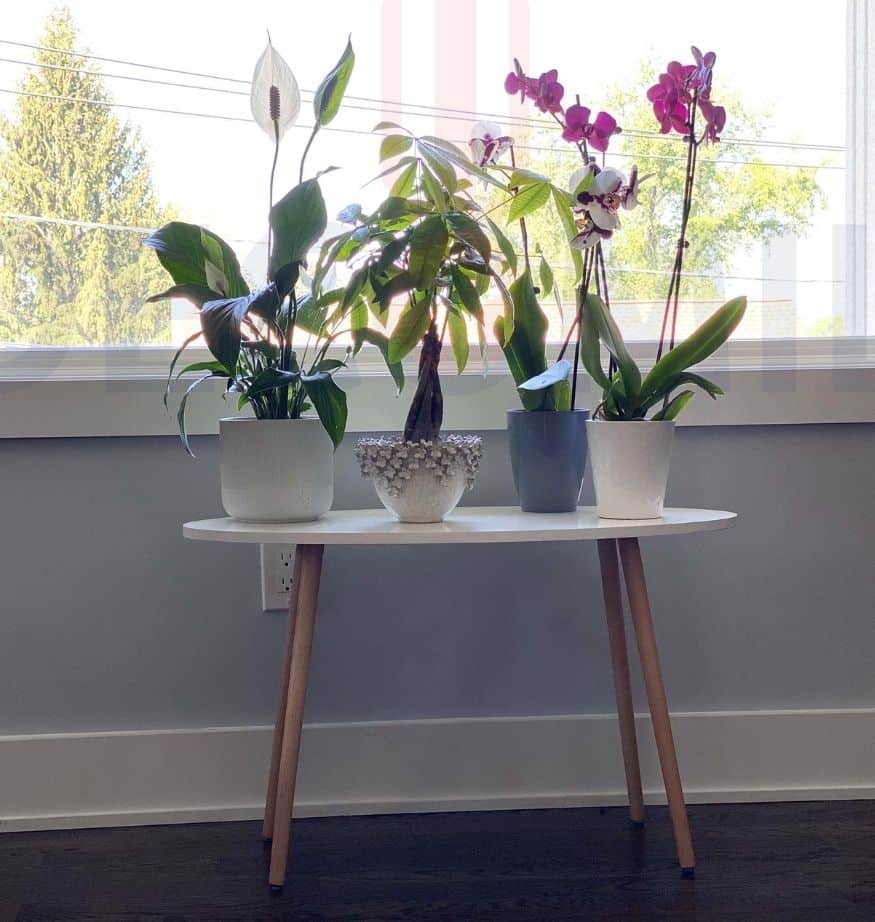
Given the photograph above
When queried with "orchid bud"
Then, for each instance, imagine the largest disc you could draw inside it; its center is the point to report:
(275, 98)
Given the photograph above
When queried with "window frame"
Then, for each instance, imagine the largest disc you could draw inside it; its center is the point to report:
(80, 391)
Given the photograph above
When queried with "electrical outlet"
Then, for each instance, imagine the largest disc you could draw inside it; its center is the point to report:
(277, 568)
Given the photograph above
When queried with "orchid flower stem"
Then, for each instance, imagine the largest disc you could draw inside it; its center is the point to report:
(674, 286)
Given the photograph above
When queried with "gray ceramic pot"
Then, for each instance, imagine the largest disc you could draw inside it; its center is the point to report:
(548, 456)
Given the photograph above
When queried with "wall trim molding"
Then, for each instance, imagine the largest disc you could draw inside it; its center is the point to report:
(122, 778)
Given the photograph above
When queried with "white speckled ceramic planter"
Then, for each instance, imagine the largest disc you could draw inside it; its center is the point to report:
(420, 481)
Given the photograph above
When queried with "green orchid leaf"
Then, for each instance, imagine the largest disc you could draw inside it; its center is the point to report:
(525, 347)
(590, 352)
(674, 406)
(546, 275)
(594, 311)
(329, 93)
(699, 345)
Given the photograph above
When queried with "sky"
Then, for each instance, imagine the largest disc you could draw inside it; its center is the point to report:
(450, 53)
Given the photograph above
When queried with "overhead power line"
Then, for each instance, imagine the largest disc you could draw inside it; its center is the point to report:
(378, 104)
(364, 133)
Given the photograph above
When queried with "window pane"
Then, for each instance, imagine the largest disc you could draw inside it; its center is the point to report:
(94, 151)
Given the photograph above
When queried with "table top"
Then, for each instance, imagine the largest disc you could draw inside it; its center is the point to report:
(465, 525)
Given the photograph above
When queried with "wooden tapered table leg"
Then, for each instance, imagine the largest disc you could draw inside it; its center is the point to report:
(620, 666)
(302, 642)
(636, 588)
(270, 805)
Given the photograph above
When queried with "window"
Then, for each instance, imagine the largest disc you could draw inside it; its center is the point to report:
(110, 128)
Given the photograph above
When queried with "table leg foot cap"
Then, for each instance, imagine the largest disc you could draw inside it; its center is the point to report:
(688, 873)
(637, 824)
(267, 840)
(276, 888)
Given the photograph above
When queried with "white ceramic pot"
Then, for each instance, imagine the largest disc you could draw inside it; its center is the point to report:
(630, 463)
(420, 481)
(276, 470)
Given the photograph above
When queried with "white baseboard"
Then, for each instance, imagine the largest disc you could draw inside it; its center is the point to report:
(409, 766)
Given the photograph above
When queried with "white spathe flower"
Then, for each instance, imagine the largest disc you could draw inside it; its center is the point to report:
(275, 98)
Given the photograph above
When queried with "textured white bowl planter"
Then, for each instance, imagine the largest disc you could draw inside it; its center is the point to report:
(630, 462)
(420, 481)
(276, 470)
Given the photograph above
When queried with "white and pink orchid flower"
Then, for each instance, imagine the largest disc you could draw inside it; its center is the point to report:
(598, 201)
(488, 144)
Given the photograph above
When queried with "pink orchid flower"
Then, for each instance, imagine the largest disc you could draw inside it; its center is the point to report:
(546, 91)
(487, 143)
(715, 119)
(700, 78)
(669, 106)
(579, 128)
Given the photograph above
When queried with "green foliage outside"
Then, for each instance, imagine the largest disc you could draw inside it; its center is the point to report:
(62, 284)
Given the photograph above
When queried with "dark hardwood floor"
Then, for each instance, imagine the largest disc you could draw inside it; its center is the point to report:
(799, 861)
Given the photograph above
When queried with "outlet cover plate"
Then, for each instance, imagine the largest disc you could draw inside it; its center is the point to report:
(277, 567)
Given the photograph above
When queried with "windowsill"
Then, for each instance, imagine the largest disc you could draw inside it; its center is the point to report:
(99, 393)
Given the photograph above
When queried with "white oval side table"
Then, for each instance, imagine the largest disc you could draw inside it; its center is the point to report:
(475, 525)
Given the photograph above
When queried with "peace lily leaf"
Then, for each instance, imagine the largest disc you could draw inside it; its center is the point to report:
(194, 293)
(329, 401)
(412, 325)
(180, 413)
(269, 379)
(394, 144)
(187, 342)
(298, 220)
(329, 94)
(553, 375)
(221, 321)
(272, 73)
(217, 368)
(527, 200)
(428, 247)
(185, 250)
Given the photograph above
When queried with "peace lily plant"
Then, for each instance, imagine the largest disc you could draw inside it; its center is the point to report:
(252, 333)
